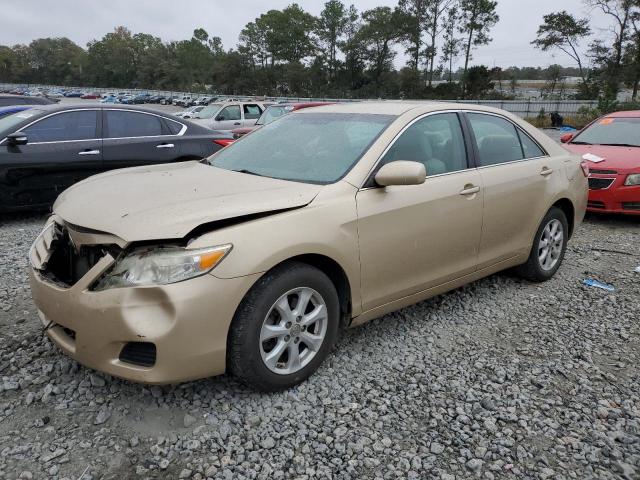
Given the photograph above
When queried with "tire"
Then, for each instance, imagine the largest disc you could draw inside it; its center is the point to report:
(270, 364)
(536, 269)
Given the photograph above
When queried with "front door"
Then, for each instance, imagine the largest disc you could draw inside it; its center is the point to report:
(62, 149)
(228, 118)
(416, 237)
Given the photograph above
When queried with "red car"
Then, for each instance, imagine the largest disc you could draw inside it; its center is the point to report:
(90, 96)
(611, 144)
(272, 113)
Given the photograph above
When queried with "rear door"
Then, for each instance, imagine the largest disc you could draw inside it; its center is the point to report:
(134, 138)
(62, 149)
(251, 113)
(519, 180)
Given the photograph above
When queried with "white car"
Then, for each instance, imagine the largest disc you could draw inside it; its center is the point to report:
(190, 112)
(229, 115)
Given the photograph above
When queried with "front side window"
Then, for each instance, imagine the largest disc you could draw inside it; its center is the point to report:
(435, 141)
(76, 125)
(497, 139)
(123, 124)
(209, 111)
(252, 112)
(611, 131)
(312, 147)
(232, 112)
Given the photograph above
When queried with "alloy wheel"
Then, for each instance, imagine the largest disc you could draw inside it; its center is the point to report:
(293, 331)
(551, 244)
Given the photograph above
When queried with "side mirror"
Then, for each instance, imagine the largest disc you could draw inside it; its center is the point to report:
(567, 137)
(401, 172)
(17, 138)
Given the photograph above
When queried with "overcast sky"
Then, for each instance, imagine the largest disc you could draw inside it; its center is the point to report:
(176, 20)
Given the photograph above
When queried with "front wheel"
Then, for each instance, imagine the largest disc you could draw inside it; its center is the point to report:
(284, 328)
(549, 246)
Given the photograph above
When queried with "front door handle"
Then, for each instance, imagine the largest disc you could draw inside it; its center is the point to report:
(89, 152)
(546, 171)
(470, 190)
(165, 145)
(237, 123)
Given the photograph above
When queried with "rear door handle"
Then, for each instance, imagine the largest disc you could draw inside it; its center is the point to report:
(470, 190)
(165, 145)
(237, 123)
(89, 152)
(546, 171)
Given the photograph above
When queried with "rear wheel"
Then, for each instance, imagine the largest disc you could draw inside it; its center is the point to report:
(549, 246)
(284, 328)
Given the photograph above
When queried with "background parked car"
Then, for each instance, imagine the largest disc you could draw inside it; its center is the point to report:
(90, 96)
(46, 149)
(4, 111)
(190, 112)
(273, 112)
(614, 182)
(8, 100)
(230, 115)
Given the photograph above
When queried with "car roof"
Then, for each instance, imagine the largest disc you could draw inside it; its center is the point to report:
(624, 114)
(396, 108)
(95, 105)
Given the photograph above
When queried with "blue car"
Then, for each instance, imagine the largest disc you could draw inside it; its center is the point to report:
(4, 111)
(110, 99)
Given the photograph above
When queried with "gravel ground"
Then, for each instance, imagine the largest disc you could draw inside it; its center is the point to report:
(499, 379)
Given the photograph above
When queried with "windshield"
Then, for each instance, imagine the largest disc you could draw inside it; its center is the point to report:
(611, 131)
(209, 111)
(9, 122)
(272, 113)
(312, 147)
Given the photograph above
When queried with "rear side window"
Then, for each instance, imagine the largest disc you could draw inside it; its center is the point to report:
(132, 124)
(68, 126)
(435, 141)
(252, 112)
(529, 147)
(174, 127)
(497, 139)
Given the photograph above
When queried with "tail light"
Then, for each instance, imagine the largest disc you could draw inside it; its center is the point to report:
(585, 168)
(223, 142)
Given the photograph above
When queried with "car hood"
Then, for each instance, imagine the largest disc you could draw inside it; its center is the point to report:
(615, 158)
(167, 202)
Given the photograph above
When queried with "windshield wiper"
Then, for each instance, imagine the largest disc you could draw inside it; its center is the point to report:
(581, 143)
(248, 172)
(619, 145)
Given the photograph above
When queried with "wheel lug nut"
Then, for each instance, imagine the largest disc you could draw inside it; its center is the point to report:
(287, 338)
(288, 325)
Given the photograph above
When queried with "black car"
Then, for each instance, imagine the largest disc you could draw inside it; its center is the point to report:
(46, 149)
(7, 100)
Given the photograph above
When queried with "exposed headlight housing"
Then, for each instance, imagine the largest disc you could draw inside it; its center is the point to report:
(633, 179)
(149, 266)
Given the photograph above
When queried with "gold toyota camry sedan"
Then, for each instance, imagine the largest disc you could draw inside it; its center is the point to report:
(251, 262)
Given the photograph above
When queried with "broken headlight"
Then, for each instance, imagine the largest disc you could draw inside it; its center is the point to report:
(161, 266)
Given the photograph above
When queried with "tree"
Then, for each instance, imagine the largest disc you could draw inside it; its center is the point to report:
(332, 25)
(111, 60)
(435, 11)
(413, 20)
(478, 81)
(564, 32)
(477, 19)
(622, 13)
(380, 30)
(450, 43)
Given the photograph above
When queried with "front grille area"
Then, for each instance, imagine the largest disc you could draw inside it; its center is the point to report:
(631, 205)
(68, 264)
(142, 354)
(602, 172)
(595, 204)
(600, 183)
